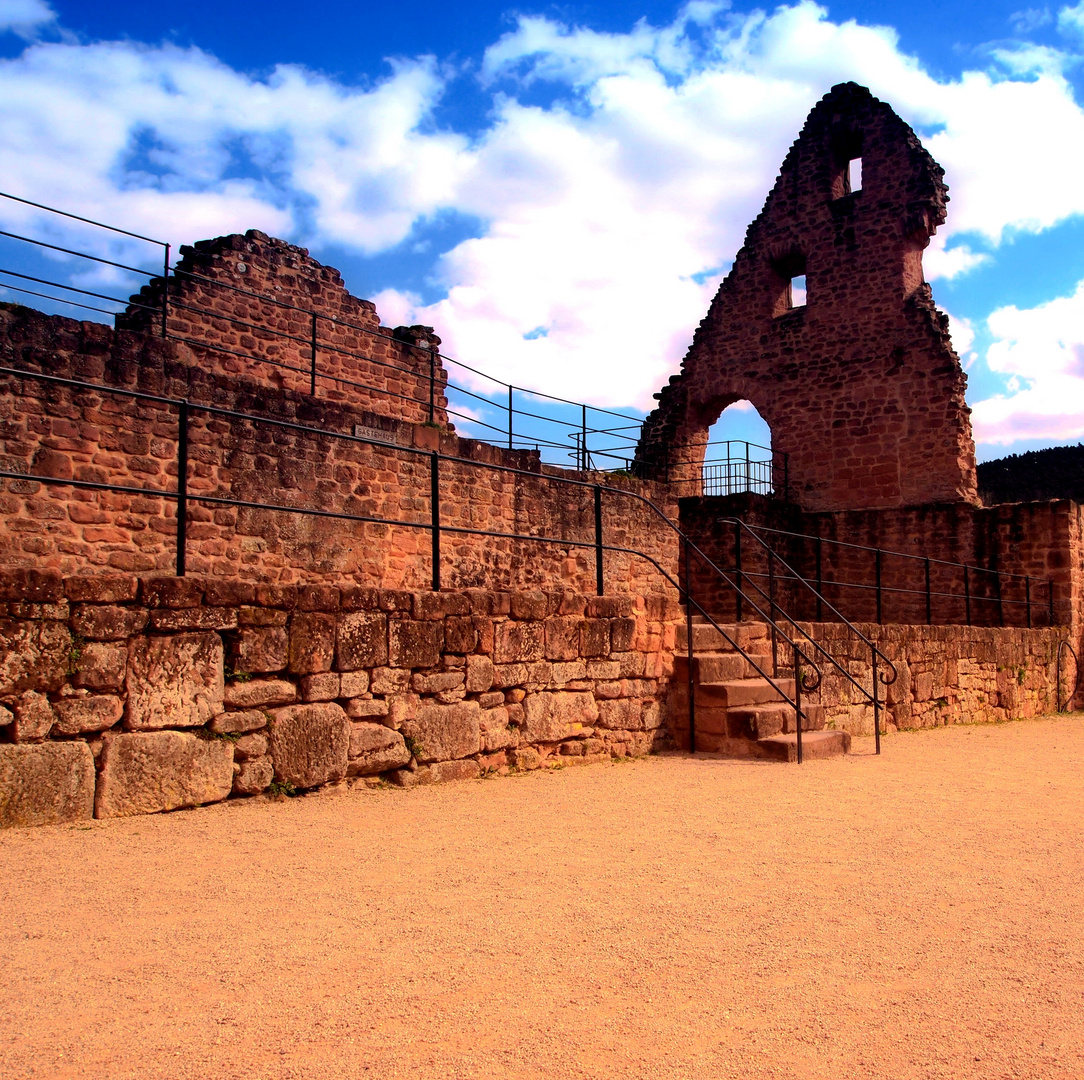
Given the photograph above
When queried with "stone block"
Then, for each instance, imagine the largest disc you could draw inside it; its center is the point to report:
(102, 588)
(172, 592)
(34, 716)
(100, 666)
(310, 744)
(173, 681)
(196, 618)
(259, 693)
(93, 712)
(254, 777)
(506, 675)
(318, 598)
(568, 672)
(353, 684)
(442, 772)
(443, 732)
(261, 616)
(415, 644)
(528, 605)
(46, 784)
(26, 585)
(361, 640)
(623, 714)
(518, 642)
(438, 682)
(460, 635)
(108, 622)
(325, 686)
(525, 758)
(148, 771)
(231, 723)
(595, 637)
(375, 749)
(622, 634)
(389, 680)
(250, 746)
(35, 656)
(229, 593)
(361, 708)
(563, 638)
(479, 674)
(496, 735)
(552, 716)
(312, 642)
(260, 649)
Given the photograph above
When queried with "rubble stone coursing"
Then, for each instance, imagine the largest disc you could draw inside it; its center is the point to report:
(860, 386)
(123, 696)
(67, 433)
(222, 304)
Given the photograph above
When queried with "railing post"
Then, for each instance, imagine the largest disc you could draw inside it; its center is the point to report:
(876, 702)
(509, 416)
(748, 478)
(1027, 598)
(182, 485)
(771, 607)
(798, 703)
(583, 445)
(598, 540)
(820, 583)
(434, 509)
(880, 620)
(432, 384)
(929, 607)
(737, 571)
(312, 373)
(165, 290)
(1000, 601)
(689, 652)
(967, 594)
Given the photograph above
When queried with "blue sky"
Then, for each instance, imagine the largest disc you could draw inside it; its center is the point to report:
(558, 189)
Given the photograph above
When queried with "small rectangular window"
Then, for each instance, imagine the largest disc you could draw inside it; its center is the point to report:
(797, 291)
(854, 174)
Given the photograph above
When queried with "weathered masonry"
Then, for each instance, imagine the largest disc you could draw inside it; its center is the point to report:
(244, 549)
(859, 383)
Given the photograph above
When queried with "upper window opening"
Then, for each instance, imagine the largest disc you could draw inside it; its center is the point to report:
(854, 174)
(797, 291)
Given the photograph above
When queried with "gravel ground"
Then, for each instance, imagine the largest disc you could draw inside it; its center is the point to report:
(916, 915)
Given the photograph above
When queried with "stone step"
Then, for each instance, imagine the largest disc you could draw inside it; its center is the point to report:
(721, 667)
(776, 718)
(752, 637)
(737, 692)
(815, 744)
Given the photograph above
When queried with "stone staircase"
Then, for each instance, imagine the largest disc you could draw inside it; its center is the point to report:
(738, 712)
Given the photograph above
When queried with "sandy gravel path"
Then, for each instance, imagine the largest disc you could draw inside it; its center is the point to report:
(917, 915)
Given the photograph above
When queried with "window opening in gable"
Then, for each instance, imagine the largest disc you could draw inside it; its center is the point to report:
(854, 175)
(797, 291)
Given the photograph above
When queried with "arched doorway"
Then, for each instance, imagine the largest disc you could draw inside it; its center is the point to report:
(738, 455)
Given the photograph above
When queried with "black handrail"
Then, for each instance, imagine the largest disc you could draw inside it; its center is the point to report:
(809, 680)
(1063, 644)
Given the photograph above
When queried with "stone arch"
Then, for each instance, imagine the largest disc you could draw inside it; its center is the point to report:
(739, 454)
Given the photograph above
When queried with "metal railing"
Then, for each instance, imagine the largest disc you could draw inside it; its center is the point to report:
(807, 673)
(1062, 706)
(602, 439)
(1034, 597)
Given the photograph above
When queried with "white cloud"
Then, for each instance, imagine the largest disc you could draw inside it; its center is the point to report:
(1040, 350)
(601, 212)
(23, 17)
(1071, 20)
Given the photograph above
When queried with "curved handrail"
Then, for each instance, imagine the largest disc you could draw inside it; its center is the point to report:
(1063, 644)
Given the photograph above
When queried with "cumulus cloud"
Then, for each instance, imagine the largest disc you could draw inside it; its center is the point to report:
(25, 17)
(606, 216)
(1040, 350)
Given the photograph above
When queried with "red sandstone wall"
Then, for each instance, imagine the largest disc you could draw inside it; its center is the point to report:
(99, 437)
(861, 386)
(253, 297)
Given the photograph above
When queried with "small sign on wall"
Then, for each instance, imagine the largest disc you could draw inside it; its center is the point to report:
(363, 431)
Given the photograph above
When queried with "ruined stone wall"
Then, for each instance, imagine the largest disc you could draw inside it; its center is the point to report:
(245, 304)
(1040, 540)
(860, 385)
(101, 437)
(947, 675)
(124, 696)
